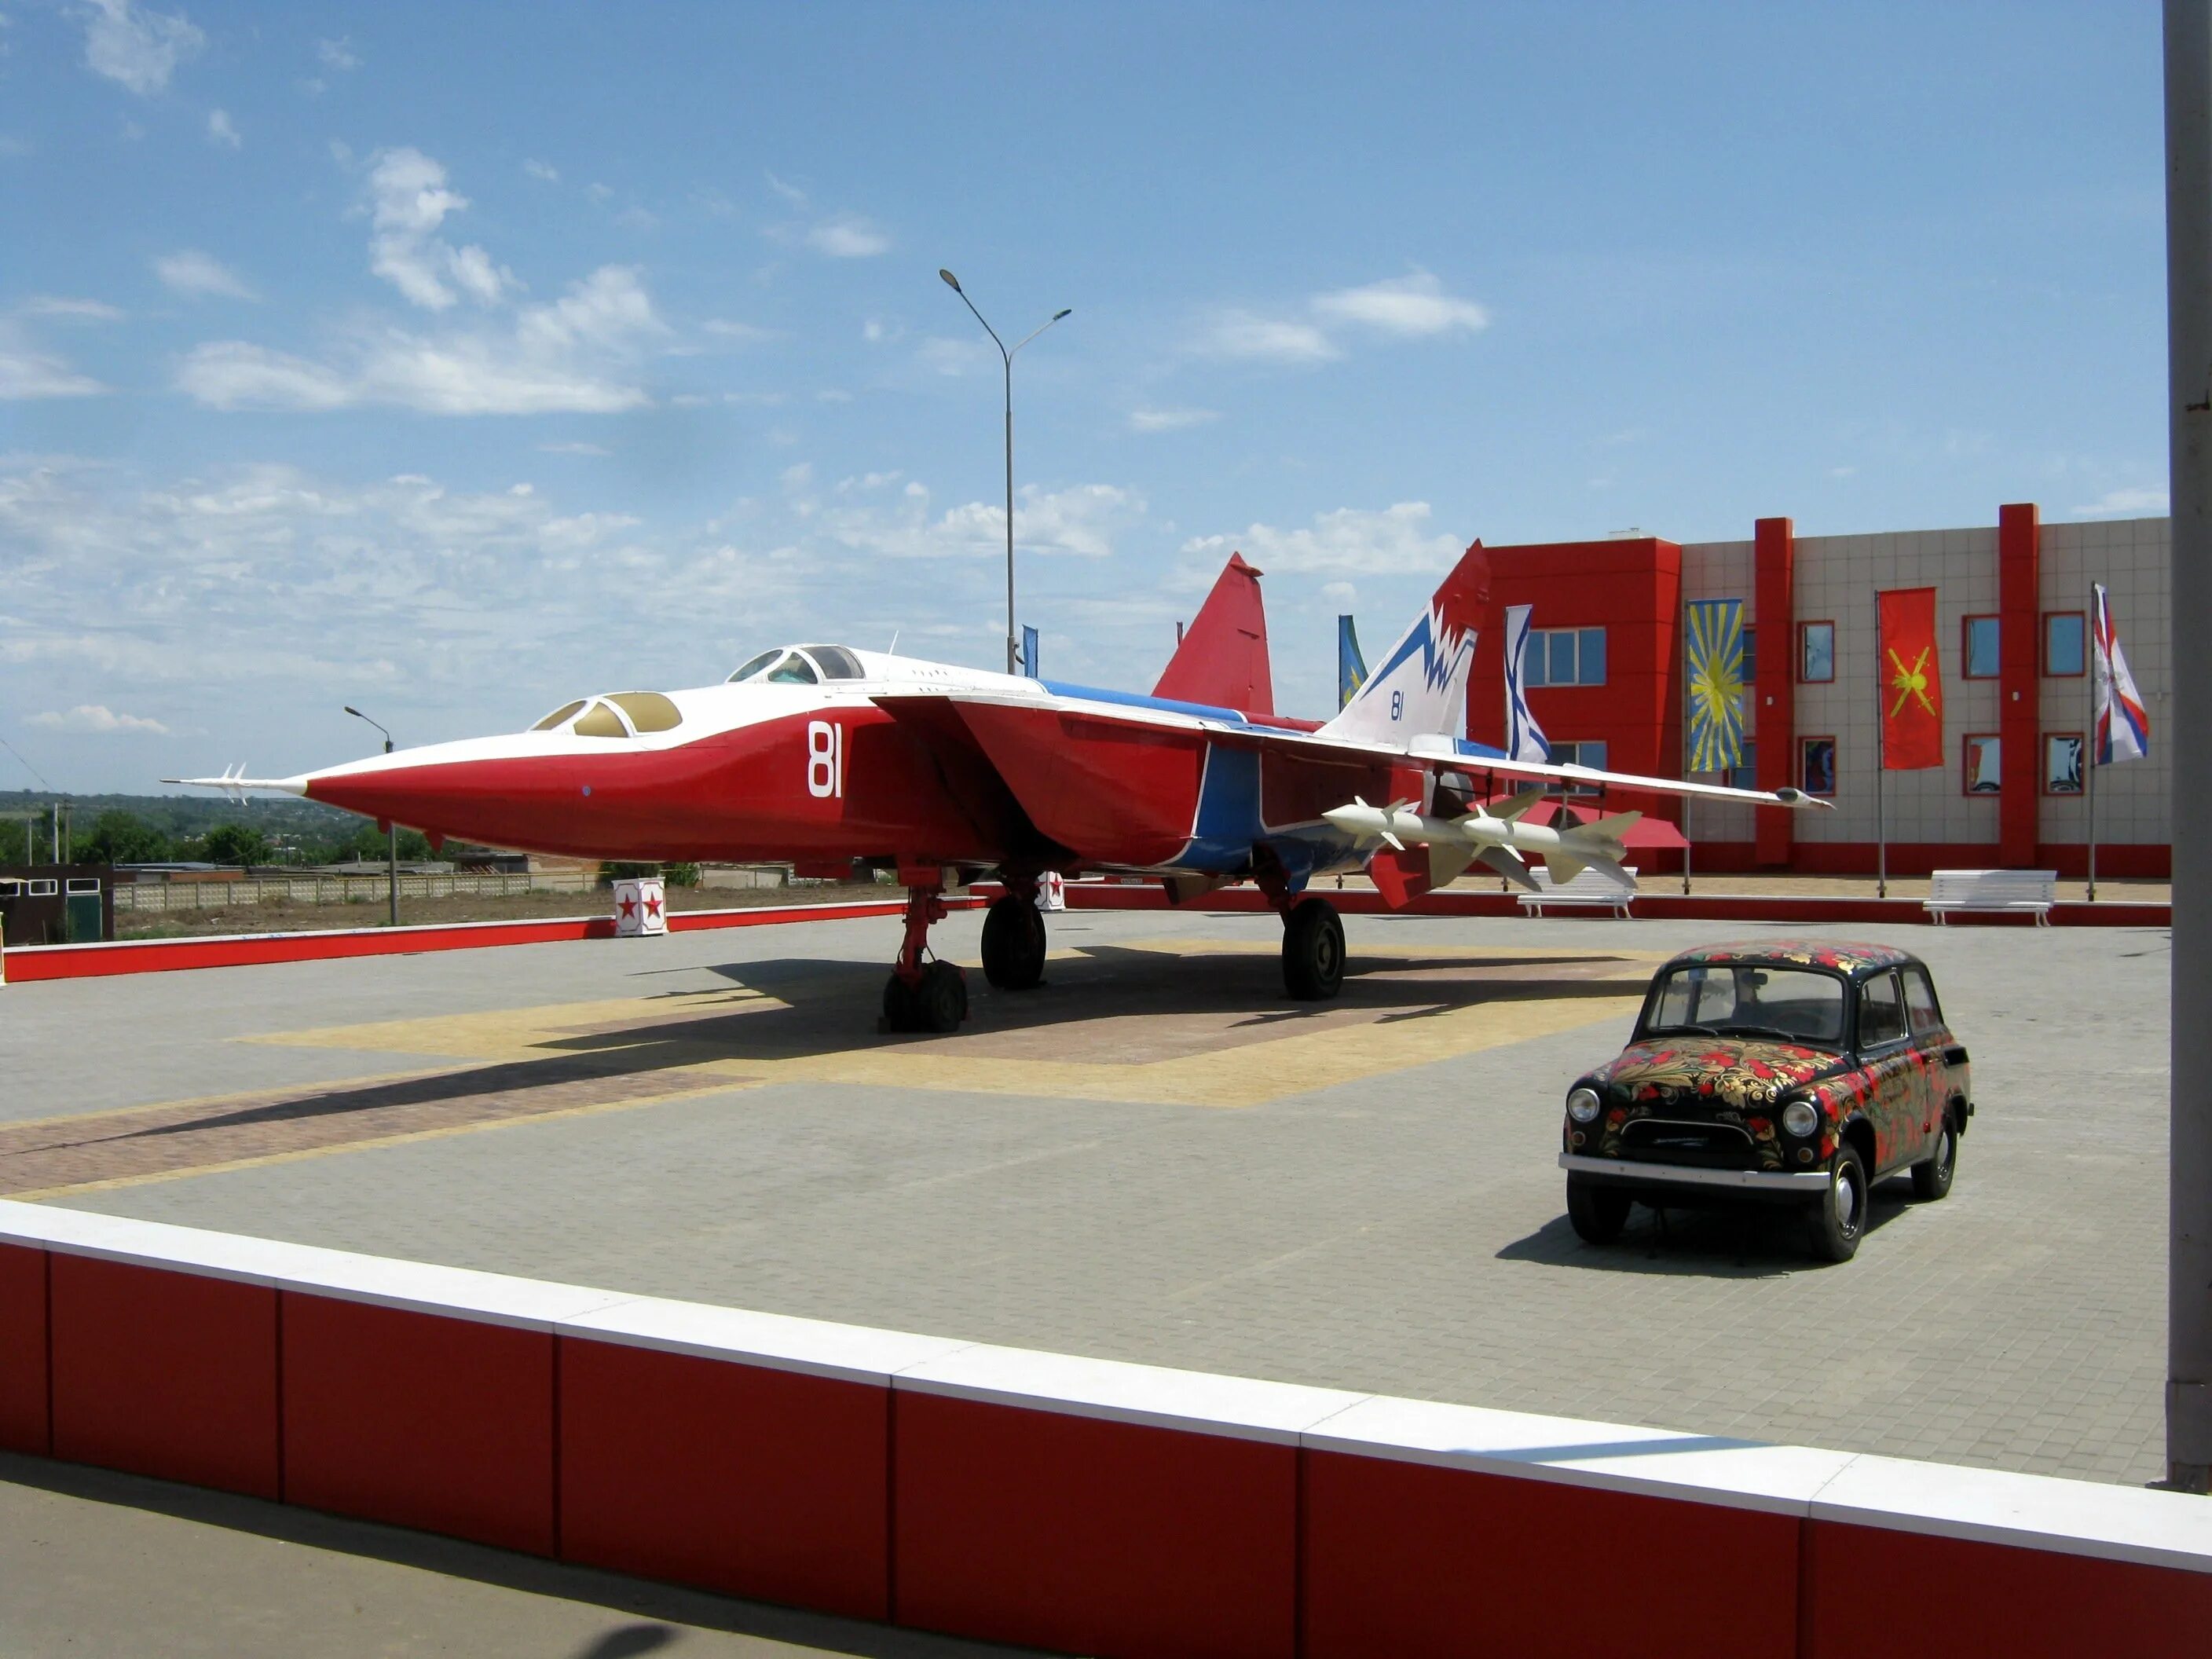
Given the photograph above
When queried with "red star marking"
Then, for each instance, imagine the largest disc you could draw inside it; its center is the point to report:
(630, 906)
(652, 906)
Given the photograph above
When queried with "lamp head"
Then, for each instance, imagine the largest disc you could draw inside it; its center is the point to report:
(1069, 312)
(355, 712)
(951, 281)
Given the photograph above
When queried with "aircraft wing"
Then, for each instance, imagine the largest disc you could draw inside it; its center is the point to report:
(1230, 728)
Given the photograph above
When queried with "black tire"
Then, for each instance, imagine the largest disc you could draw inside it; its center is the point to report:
(941, 999)
(1932, 1180)
(901, 1012)
(1013, 944)
(1313, 951)
(1837, 1220)
(1599, 1211)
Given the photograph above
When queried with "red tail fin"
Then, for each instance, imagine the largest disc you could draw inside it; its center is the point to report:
(1223, 658)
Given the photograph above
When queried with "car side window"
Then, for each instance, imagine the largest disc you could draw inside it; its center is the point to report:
(1881, 1014)
(1920, 1002)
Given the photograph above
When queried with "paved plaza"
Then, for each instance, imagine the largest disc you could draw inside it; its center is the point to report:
(1158, 1157)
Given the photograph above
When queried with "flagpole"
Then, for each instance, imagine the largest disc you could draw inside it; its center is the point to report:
(1881, 768)
(2089, 742)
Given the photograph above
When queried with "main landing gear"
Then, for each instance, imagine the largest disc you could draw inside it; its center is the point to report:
(1013, 939)
(1313, 950)
(924, 996)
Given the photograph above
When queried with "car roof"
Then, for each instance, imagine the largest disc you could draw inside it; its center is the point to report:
(1842, 956)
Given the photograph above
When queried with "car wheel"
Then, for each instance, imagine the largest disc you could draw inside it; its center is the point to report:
(1598, 1209)
(1931, 1180)
(1837, 1220)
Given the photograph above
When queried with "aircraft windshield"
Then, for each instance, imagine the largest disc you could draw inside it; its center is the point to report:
(1798, 1005)
(793, 665)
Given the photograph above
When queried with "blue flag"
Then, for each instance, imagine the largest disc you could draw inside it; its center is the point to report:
(1030, 653)
(1350, 666)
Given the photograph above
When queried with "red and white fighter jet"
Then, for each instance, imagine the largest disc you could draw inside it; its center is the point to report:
(834, 760)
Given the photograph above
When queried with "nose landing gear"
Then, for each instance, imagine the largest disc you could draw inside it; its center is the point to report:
(923, 996)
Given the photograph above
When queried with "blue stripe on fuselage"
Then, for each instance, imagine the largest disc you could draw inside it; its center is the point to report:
(1137, 700)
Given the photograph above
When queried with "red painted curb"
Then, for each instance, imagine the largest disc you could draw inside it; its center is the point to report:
(28, 963)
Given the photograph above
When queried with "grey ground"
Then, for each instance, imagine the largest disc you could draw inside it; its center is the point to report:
(1402, 1232)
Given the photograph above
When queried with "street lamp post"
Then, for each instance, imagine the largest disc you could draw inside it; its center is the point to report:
(1013, 646)
(390, 829)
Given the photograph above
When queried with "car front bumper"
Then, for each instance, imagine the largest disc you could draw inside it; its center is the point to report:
(1780, 1183)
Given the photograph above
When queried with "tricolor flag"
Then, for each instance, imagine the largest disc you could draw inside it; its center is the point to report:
(1350, 666)
(1524, 738)
(2123, 728)
(1911, 681)
(1712, 651)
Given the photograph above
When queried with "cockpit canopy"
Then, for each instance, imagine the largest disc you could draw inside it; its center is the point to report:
(619, 715)
(800, 665)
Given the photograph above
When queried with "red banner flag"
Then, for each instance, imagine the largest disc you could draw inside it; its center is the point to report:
(1911, 682)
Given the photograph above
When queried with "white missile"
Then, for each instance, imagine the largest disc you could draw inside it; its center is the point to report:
(1498, 839)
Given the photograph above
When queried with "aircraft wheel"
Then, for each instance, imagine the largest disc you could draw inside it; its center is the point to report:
(941, 999)
(1313, 951)
(901, 1006)
(1013, 944)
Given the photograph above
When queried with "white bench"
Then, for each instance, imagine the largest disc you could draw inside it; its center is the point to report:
(1592, 886)
(2029, 891)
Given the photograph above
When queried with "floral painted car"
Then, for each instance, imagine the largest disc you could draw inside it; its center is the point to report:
(1793, 1069)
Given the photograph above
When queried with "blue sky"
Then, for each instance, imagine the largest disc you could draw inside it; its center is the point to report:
(451, 361)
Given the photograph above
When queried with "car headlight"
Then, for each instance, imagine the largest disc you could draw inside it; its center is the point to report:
(1584, 1105)
(1799, 1119)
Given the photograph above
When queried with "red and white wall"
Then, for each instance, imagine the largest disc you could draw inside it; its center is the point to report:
(2018, 570)
(1078, 1504)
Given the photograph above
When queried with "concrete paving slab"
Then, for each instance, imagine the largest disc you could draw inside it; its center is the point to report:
(1159, 1158)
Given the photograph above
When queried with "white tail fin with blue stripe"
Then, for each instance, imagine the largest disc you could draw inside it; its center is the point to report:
(1420, 687)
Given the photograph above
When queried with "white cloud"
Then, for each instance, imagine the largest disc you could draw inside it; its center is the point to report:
(1397, 540)
(562, 357)
(574, 448)
(28, 372)
(72, 310)
(1413, 308)
(2115, 502)
(408, 201)
(847, 236)
(337, 54)
(200, 276)
(544, 170)
(1245, 335)
(1170, 420)
(791, 193)
(140, 49)
(222, 132)
(961, 356)
(98, 719)
(742, 333)
(1079, 522)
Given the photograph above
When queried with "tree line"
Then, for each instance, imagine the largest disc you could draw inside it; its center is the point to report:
(121, 837)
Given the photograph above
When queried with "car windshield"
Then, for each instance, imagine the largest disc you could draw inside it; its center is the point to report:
(1798, 1005)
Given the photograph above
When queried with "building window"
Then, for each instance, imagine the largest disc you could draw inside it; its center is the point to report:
(1982, 661)
(1984, 773)
(2061, 762)
(1566, 656)
(2065, 650)
(1816, 769)
(1816, 652)
(1750, 657)
(1744, 775)
(1591, 755)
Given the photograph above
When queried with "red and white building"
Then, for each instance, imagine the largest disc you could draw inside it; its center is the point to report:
(2012, 603)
